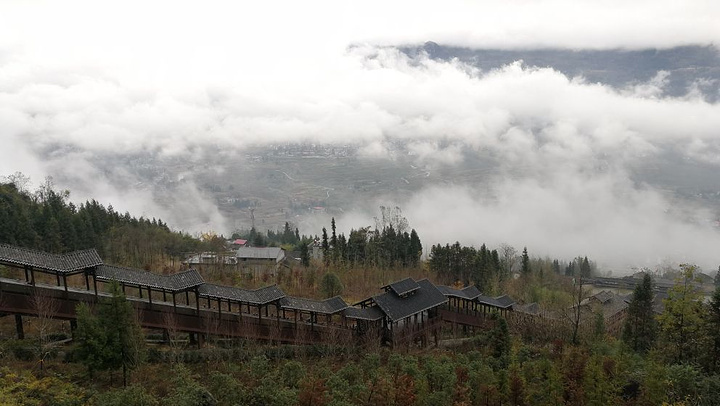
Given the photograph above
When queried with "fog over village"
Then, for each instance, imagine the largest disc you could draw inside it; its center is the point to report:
(572, 128)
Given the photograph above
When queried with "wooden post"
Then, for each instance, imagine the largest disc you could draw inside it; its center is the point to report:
(87, 281)
(65, 282)
(73, 327)
(19, 327)
(95, 284)
(197, 300)
(164, 296)
(32, 276)
(150, 295)
(174, 303)
(27, 276)
(57, 276)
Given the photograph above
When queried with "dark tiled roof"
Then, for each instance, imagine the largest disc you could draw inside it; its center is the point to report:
(186, 280)
(327, 306)
(403, 287)
(470, 292)
(72, 261)
(177, 282)
(504, 301)
(501, 302)
(369, 313)
(258, 297)
(269, 294)
(425, 297)
(603, 296)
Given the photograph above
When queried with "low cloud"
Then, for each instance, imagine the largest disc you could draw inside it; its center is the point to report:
(78, 106)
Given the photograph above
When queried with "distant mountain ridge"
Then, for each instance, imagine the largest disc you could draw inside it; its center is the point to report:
(688, 66)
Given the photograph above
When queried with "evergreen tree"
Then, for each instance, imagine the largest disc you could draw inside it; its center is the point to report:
(682, 320)
(330, 285)
(304, 254)
(325, 247)
(526, 270)
(640, 328)
(415, 248)
(713, 332)
(357, 246)
(585, 268)
(570, 269)
(333, 242)
(342, 248)
(112, 338)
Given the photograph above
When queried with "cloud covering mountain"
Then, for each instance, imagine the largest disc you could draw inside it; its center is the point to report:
(177, 83)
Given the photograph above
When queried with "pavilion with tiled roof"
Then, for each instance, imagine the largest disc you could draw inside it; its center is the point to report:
(409, 308)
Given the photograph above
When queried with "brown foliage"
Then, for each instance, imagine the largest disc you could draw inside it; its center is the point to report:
(313, 392)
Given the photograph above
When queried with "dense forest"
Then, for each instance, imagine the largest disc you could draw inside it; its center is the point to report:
(46, 220)
(389, 245)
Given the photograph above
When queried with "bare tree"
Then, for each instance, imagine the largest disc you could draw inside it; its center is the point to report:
(576, 314)
(170, 332)
(508, 257)
(46, 308)
(391, 217)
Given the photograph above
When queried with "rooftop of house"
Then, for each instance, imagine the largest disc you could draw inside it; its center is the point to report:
(275, 253)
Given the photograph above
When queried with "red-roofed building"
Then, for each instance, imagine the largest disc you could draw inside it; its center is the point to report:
(238, 243)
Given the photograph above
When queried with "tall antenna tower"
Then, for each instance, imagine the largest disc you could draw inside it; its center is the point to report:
(252, 217)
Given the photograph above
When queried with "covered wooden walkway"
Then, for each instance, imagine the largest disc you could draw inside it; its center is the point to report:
(407, 311)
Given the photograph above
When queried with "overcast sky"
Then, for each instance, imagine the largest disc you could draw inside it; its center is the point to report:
(82, 79)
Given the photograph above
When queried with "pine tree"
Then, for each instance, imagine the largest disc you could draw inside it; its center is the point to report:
(304, 254)
(325, 247)
(334, 242)
(526, 270)
(681, 322)
(415, 248)
(640, 328)
(585, 268)
(112, 338)
(713, 331)
(330, 285)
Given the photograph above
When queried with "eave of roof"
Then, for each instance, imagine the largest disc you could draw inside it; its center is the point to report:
(469, 293)
(44, 261)
(130, 276)
(327, 306)
(403, 287)
(260, 296)
(368, 313)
